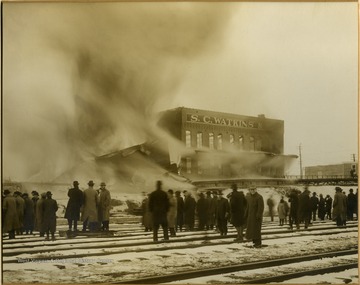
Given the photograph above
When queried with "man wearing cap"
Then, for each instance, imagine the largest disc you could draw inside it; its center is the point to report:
(104, 207)
(339, 207)
(238, 206)
(254, 214)
(49, 208)
(11, 220)
(90, 214)
(72, 213)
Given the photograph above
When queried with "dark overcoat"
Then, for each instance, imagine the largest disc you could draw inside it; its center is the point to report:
(76, 198)
(237, 208)
(339, 206)
(222, 209)
(39, 215)
(104, 205)
(159, 206)
(254, 213)
(304, 206)
(201, 207)
(147, 215)
(11, 219)
(49, 208)
(29, 214)
(189, 210)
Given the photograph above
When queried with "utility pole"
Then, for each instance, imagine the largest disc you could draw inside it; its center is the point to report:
(301, 170)
(353, 157)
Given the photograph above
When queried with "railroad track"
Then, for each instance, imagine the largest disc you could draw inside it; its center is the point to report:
(183, 276)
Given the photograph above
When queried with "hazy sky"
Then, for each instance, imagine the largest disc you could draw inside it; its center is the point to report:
(86, 79)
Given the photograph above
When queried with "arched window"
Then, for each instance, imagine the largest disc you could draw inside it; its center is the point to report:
(188, 138)
(199, 140)
(219, 142)
(241, 142)
(252, 143)
(211, 140)
(232, 139)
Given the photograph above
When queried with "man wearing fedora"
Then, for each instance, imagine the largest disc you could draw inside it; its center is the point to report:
(104, 207)
(89, 213)
(49, 208)
(72, 213)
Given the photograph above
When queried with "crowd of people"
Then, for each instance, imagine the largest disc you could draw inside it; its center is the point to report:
(22, 215)
(213, 211)
(176, 211)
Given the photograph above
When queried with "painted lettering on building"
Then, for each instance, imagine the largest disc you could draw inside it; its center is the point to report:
(215, 120)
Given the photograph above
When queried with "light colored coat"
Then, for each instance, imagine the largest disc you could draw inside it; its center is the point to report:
(172, 213)
(11, 220)
(339, 206)
(104, 205)
(90, 205)
(281, 210)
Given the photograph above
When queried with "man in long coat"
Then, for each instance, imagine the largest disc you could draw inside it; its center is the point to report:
(201, 208)
(180, 211)
(147, 219)
(339, 207)
(20, 208)
(29, 214)
(304, 212)
(72, 213)
(104, 207)
(211, 210)
(328, 206)
(172, 212)
(159, 206)
(11, 220)
(314, 202)
(238, 206)
(39, 214)
(89, 211)
(222, 214)
(49, 208)
(294, 209)
(254, 214)
(189, 211)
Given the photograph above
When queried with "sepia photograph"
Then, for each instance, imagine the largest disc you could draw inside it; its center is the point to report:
(195, 142)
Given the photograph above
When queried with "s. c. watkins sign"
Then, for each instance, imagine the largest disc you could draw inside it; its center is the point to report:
(215, 120)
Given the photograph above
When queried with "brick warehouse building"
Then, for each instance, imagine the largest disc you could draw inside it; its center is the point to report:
(223, 145)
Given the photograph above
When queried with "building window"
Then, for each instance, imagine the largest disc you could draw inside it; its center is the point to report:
(252, 143)
(241, 142)
(188, 165)
(199, 140)
(232, 139)
(211, 141)
(188, 138)
(219, 141)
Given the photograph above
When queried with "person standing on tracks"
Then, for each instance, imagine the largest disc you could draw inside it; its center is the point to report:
(339, 207)
(351, 204)
(222, 214)
(104, 207)
(281, 211)
(189, 211)
(89, 213)
(254, 214)
(201, 208)
(159, 206)
(10, 215)
(304, 207)
(20, 208)
(294, 209)
(39, 214)
(29, 215)
(238, 206)
(270, 203)
(147, 220)
(328, 206)
(180, 211)
(172, 212)
(35, 199)
(49, 208)
(321, 210)
(314, 203)
(211, 211)
(72, 212)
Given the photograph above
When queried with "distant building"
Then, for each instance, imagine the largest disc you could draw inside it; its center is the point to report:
(223, 145)
(346, 170)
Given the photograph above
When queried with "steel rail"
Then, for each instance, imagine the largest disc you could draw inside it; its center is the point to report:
(7, 251)
(232, 268)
